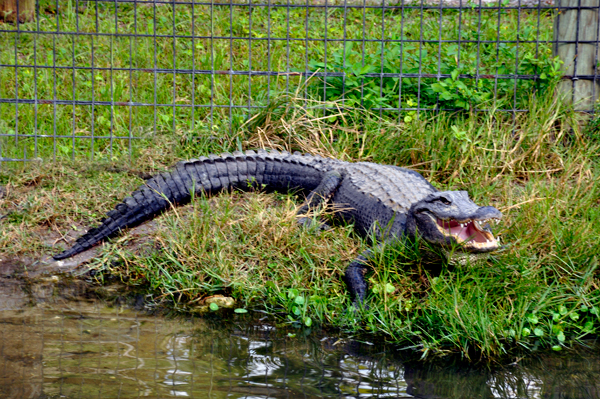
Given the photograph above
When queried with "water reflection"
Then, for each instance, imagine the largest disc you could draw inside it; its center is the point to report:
(85, 350)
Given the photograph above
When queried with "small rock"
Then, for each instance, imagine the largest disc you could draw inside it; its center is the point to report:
(220, 300)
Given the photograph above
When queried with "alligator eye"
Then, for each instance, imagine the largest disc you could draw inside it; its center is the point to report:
(443, 200)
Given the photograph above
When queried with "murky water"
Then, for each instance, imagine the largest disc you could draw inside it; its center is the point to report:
(82, 349)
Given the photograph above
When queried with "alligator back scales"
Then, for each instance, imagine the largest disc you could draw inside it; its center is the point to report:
(369, 192)
(384, 200)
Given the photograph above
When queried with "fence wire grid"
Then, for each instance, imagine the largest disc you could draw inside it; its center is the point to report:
(89, 79)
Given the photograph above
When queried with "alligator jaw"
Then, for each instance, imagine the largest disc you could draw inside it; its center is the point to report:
(468, 233)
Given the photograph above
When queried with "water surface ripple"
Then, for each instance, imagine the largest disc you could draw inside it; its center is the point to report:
(87, 350)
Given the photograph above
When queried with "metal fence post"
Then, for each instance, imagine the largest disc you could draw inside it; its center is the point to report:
(10, 8)
(576, 43)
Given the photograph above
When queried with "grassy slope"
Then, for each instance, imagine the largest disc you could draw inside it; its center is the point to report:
(541, 291)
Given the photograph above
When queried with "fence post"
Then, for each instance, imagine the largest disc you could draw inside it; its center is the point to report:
(576, 43)
(26, 10)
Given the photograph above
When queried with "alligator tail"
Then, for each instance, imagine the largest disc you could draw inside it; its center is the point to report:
(206, 175)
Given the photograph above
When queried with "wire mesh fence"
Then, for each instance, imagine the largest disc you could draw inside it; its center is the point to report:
(94, 79)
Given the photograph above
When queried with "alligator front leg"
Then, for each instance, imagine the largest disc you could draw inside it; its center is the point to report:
(319, 195)
(355, 277)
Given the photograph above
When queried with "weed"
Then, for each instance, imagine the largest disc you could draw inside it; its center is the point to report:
(473, 82)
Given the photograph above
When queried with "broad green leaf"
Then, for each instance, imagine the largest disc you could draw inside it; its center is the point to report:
(574, 316)
(562, 309)
(389, 288)
(454, 74)
(538, 332)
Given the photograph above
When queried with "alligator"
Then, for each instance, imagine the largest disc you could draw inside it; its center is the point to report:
(385, 202)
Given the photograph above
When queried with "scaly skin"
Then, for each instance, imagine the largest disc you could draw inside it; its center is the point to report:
(385, 201)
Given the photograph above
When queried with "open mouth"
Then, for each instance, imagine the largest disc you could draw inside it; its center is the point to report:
(469, 233)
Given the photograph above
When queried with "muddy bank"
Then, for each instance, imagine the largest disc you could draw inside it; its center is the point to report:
(26, 282)
(31, 270)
